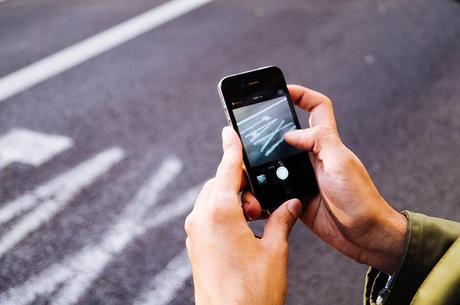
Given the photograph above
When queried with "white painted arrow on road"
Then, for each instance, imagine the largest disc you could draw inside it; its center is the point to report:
(30, 147)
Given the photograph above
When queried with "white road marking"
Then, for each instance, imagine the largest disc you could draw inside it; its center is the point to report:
(263, 119)
(175, 209)
(268, 137)
(66, 182)
(55, 195)
(81, 269)
(282, 99)
(30, 147)
(15, 207)
(164, 285)
(93, 261)
(254, 135)
(72, 56)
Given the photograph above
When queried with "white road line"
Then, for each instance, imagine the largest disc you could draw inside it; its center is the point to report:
(164, 285)
(96, 258)
(70, 57)
(58, 195)
(267, 138)
(15, 207)
(262, 120)
(78, 272)
(175, 209)
(43, 284)
(89, 271)
(100, 255)
(30, 147)
(68, 181)
(282, 99)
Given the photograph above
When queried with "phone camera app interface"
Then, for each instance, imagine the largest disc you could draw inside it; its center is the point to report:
(262, 125)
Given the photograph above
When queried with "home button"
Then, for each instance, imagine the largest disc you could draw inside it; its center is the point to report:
(282, 173)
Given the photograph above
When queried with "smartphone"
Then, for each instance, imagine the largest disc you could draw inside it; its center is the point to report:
(258, 106)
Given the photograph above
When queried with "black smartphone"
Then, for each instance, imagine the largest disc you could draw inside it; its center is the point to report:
(258, 106)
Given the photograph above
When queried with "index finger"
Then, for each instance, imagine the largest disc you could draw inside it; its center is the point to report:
(319, 105)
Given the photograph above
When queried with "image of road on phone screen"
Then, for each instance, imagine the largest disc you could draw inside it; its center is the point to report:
(262, 127)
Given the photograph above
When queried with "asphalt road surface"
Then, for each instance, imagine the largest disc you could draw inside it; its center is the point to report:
(100, 159)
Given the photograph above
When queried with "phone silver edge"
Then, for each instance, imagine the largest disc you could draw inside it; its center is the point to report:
(230, 123)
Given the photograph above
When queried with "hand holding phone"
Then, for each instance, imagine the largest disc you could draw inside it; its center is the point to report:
(349, 214)
(258, 106)
(231, 265)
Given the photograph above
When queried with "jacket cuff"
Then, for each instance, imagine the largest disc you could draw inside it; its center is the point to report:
(429, 238)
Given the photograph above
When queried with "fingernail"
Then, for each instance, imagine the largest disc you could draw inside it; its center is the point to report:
(295, 207)
(246, 212)
(226, 137)
(290, 134)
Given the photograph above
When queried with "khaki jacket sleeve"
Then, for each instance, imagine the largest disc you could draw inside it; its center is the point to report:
(431, 241)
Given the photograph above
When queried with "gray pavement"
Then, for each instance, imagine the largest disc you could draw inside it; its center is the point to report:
(391, 68)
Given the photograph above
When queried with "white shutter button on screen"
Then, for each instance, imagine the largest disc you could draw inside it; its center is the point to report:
(282, 172)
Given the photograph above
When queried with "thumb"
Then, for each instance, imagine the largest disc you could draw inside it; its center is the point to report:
(281, 221)
(312, 139)
(230, 171)
(303, 139)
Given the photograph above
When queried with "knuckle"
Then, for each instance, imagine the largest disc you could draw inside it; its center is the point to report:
(219, 214)
(327, 101)
(188, 224)
(208, 184)
(222, 210)
(282, 221)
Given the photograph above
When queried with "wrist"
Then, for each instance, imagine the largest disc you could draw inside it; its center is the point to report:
(386, 249)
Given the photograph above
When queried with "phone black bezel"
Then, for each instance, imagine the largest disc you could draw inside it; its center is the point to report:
(241, 85)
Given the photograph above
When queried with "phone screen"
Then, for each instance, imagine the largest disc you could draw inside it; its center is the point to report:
(262, 125)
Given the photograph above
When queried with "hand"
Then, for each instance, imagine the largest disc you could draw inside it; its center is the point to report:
(349, 214)
(230, 265)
